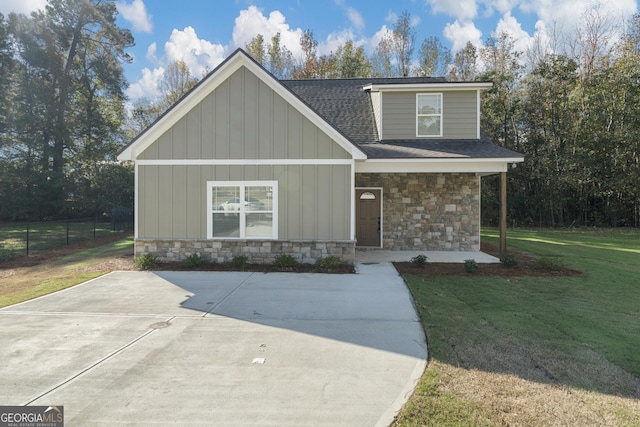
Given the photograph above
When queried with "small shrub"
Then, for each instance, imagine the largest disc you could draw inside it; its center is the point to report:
(470, 265)
(239, 261)
(551, 263)
(147, 262)
(195, 261)
(285, 262)
(509, 261)
(419, 260)
(328, 264)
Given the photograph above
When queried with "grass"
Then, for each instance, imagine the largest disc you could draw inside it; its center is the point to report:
(502, 349)
(21, 284)
(46, 236)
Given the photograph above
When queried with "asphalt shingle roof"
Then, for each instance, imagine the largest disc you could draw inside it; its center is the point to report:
(344, 104)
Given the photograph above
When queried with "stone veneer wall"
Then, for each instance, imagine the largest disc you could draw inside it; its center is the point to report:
(257, 251)
(437, 212)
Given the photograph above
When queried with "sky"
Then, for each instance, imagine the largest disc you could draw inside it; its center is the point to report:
(203, 33)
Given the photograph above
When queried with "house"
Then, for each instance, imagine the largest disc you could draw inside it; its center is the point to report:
(247, 164)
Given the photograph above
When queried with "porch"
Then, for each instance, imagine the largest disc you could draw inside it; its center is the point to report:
(368, 255)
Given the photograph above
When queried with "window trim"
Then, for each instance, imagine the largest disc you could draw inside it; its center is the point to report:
(440, 115)
(242, 185)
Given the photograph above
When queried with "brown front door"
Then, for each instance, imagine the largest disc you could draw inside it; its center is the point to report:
(368, 217)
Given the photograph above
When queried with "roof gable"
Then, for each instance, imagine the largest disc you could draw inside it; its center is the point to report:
(225, 70)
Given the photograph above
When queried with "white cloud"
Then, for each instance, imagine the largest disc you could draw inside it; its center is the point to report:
(200, 55)
(462, 10)
(510, 25)
(151, 53)
(136, 13)
(503, 6)
(21, 6)
(147, 86)
(374, 41)
(356, 19)
(392, 17)
(334, 41)
(567, 14)
(251, 22)
(459, 34)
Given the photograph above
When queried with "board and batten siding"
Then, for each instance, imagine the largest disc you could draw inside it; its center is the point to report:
(243, 118)
(313, 200)
(459, 115)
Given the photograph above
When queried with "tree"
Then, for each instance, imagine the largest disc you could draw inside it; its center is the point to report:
(435, 58)
(394, 52)
(280, 58)
(403, 41)
(256, 49)
(68, 93)
(465, 63)
(314, 66)
(274, 57)
(176, 82)
(352, 61)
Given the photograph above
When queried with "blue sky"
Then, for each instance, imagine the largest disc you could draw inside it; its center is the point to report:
(204, 32)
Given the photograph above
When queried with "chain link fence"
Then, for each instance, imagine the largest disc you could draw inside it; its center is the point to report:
(26, 238)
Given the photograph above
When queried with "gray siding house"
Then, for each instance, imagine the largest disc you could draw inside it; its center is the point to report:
(248, 164)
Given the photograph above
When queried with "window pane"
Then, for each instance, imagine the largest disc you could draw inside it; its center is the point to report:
(429, 126)
(429, 104)
(226, 225)
(223, 198)
(258, 198)
(259, 225)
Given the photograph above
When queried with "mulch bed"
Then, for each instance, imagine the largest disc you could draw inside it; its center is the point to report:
(254, 268)
(527, 267)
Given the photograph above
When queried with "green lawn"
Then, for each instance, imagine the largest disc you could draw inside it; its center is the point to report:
(60, 273)
(47, 236)
(580, 333)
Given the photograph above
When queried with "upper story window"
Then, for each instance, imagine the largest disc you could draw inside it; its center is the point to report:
(429, 114)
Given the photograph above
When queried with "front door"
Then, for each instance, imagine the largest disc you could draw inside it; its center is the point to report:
(368, 217)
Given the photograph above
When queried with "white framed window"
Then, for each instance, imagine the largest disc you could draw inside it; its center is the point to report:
(242, 209)
(429, 115)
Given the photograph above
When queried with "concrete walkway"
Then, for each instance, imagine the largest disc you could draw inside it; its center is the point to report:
(378, 255)
(210, 348)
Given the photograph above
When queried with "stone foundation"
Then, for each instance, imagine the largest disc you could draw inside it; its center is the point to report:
(258, 252)
(430, 212)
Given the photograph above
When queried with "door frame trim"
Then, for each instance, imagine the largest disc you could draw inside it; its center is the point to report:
(381, 244)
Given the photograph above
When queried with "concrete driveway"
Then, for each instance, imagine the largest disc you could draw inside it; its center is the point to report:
(209, 348)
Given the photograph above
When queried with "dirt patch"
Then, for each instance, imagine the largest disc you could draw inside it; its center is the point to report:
(527, 266)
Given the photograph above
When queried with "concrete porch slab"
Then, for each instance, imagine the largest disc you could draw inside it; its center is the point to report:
(379, 255)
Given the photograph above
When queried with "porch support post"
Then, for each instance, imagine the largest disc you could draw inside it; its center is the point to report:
(503, 214)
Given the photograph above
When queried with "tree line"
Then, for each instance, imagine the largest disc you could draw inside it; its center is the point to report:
(568, 103)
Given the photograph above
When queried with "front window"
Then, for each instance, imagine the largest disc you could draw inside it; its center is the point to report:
(429, 114)
(242, 210)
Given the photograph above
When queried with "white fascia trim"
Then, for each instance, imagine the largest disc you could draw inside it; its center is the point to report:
(242, 162)
(353, 202)
(426, 86)
(136, 195)
(209, 85)
(482, 166)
